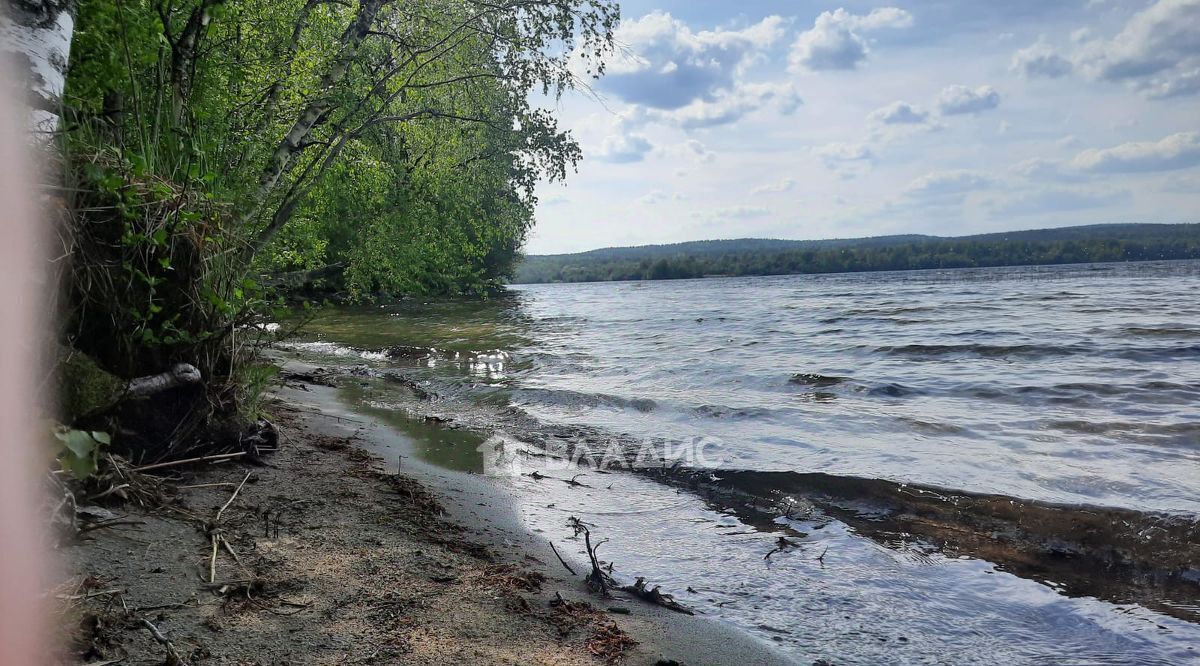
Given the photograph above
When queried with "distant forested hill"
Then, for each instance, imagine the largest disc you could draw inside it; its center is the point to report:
(763, 256)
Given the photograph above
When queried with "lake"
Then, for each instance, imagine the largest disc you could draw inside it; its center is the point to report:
(967, 466)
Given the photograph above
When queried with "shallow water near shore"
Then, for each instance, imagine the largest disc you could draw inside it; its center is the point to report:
(1056, 387)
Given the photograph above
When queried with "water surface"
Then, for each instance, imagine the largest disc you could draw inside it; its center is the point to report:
(1075, 386)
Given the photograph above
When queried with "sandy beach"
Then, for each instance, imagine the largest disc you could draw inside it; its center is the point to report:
(324, 554)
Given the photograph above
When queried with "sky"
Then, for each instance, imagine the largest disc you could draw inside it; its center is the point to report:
(796, 119)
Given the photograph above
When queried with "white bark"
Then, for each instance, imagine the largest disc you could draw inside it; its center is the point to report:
(35, 39)
(293, 142)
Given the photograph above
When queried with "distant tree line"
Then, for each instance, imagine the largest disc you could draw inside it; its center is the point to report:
(1120, 243)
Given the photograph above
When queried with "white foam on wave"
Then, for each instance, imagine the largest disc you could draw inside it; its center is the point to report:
(334, 349)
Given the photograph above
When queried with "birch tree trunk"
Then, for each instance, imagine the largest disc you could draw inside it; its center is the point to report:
(293, 142)
(35, 39)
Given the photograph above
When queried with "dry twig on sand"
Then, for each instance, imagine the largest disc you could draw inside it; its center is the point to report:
(560, 559)
(173, 463)
(173, 658)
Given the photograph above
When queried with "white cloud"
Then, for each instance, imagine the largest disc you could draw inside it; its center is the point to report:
(1040, 60)
(1179, 85)
(724, 143)
(899, 113)
(554, 200)
(777, 187)
(833, 153)
(667, 65)
(846, 160)
(961, 99)
(1068, 141)
(1157, 51)
(1055, 200)
(624, 148)
(838, 39)
(1181, 185)
(651, 198)
(1177, 151)
(1041, 169)
(734, 213)
(946, 184)
(698, 151)
(730, 106)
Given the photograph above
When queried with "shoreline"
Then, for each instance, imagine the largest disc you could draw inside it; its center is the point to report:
(329, 556)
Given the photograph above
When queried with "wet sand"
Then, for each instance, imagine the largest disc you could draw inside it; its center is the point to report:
(333, 557)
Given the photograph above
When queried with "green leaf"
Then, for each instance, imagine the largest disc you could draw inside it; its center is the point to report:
(81, 468)
(80, 442)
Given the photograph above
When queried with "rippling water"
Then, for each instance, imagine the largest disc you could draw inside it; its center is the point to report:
(1056, 385)
(1062, 384)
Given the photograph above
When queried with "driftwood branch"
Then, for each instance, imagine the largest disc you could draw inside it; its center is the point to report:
(655, 596)
(185, 461)
(600, 581)
(560, 559)
(573, 483)
(781, 545)
(597, 581)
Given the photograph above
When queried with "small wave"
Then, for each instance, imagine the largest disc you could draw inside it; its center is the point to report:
(1164, 331)
(409, 352)
(567, 398)
(1061, 296)
(334, 349)
(1172, 430)
(1144, 354)
(723, 412)
(811, 379)
(934, 428)
(1068, 392)
(1034, 351)
(1055, 543)
(893, 390)
(920, 351)
(886, 389)
(889, 312)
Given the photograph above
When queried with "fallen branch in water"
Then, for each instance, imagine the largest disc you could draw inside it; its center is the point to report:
(655, 596)
(573, 482)
(781, 545)
(599, 580)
